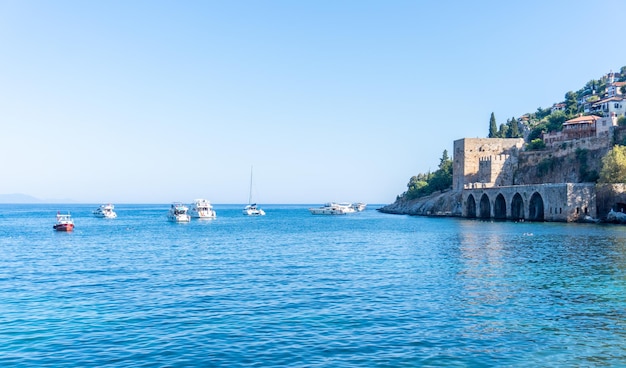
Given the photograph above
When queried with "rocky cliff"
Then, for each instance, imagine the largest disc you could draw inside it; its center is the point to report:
(448, 203)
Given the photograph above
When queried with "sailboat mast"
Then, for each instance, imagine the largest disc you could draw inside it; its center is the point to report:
(250, 195)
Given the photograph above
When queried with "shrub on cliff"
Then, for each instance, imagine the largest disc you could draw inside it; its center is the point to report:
(614, 166)
(422, 185)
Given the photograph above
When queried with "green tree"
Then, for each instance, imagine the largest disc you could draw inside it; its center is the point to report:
(513, 131)
(614, 166)
(621, 121)
(442, 178)
(493, 128)
(555, 121)
(503, 131)
(542, 113)
(571, 103)
(424, 184)
(622, 73)
(536, 144)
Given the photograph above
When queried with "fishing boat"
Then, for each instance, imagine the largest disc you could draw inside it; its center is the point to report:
(178, 213)
(201, 209)
(251, 209)
(105, 211)
(64, 222)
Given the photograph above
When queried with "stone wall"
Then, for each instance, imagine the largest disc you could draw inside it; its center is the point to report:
(468, 153)
(564, 202)
(610, 197)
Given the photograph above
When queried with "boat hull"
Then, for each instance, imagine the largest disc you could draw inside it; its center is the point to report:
(254, 212)
(63, 227)
(179, 218)
(327, 211)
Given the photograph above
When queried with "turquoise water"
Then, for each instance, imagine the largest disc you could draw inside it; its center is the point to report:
(296, 290)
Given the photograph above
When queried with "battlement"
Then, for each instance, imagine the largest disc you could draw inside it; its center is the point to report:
(494, 158)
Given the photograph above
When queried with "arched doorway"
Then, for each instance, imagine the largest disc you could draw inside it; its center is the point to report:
(517, 207)
(471, 206)
(535, 208)
(485, 207)
(499, 208)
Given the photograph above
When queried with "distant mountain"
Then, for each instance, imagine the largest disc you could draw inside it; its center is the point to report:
(18, 198)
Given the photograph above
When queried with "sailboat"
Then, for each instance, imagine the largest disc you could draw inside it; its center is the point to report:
(251, 209)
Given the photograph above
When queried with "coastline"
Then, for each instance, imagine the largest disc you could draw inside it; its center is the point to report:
(445, 203)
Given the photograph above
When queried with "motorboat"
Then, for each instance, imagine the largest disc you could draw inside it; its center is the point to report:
(347, 207)
(105, 211)
(342, 208)
(178, 213)
(251, 209)
(64, 222)
(353, 207)
(201, 209)
(330, 208)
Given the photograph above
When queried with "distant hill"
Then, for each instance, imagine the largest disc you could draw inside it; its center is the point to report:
(18, 198)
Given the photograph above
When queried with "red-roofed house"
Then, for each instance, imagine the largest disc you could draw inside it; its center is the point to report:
(580, 127)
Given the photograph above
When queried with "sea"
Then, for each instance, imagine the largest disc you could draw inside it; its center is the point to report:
(291, 289)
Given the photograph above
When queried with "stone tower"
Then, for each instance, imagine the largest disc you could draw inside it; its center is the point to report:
(485, 162)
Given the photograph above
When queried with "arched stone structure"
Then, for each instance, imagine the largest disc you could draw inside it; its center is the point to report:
(499, 207)
(535, 208)
(485, 207)
(517, 208)
(538, 202)
(471, 207)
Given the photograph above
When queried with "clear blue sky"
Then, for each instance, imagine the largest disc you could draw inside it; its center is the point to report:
(160, 101)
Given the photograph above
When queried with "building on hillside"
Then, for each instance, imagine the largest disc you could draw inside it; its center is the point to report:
(587, 126)
(614, 89)
(557, 107)
(610, 105)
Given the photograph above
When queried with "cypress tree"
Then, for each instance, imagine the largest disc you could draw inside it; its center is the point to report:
(513, 129)
(493, 128)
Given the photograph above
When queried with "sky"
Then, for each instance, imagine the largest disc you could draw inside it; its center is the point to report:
(160, 101)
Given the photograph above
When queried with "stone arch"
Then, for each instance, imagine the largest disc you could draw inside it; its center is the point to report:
(535, 208)
(485, 207)
(471, 206)
(499, 207)
(517, 207)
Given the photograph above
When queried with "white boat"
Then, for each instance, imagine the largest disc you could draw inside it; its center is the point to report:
(105, 211)
(64, 222)
(201, 209)
(178, 213)
(343, 208)
(330, 208)
(251, 209)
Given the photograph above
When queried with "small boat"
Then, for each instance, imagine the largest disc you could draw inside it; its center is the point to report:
(105, 211)
(330, 208)
(64, 222)
(358, 207)
(251, 209)
(202, 209)
(178, 213)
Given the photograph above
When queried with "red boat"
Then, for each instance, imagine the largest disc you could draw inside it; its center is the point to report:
(64, 223)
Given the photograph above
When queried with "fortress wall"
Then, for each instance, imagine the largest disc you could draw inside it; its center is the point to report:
(567, 148)
(469, 151)
(610, 197)
(564, 202)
